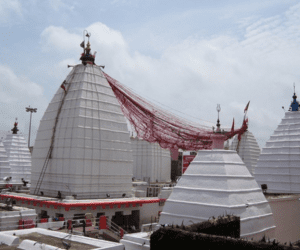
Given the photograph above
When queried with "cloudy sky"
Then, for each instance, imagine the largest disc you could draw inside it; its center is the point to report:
(186, 56)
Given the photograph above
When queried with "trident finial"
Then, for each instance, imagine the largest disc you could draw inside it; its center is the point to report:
(86, 56)
(295, 104)
(294, 88)
(15, 128)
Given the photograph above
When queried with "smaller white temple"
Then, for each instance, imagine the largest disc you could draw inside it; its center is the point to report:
(4, 163)
(279, 163)
(18, 154)
(248, 149)
(217, 183)
(150, 162)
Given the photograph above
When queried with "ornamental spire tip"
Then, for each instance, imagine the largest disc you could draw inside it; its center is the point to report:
(295, 104)
(86, 56)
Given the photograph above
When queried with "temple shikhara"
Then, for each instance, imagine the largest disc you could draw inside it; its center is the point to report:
(278, 164)
(82, 146)
(18, 156)
(86, 169)
(248, 149)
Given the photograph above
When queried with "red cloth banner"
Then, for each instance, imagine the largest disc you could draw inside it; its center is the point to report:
(153, 124)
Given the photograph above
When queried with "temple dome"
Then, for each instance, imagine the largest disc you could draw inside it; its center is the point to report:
(248, 149)
(279, 163)
(91, 155)
(216, 183)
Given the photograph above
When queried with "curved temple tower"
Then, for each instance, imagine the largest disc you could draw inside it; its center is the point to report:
(279, 163)
(248, 149)
(82, 146)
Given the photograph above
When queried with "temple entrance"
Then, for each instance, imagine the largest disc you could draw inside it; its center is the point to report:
(135, 219)
(77, 220)
(98, 217)
(44, 214)
(129, 222)
(118, 218)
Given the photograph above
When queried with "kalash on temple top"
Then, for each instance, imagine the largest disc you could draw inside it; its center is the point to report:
(295, 104)
(86, 57)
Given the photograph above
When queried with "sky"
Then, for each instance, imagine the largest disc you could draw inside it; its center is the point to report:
(185, 56)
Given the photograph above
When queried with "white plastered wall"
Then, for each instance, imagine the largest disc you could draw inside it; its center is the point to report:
(4, 163)
(286, 216)
(150, 161)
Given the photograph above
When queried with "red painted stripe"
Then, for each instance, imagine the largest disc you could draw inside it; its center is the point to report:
(81, 204)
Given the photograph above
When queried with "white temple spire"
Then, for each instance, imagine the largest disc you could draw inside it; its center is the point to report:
(278, 165)
(18, 155)
(86, 134)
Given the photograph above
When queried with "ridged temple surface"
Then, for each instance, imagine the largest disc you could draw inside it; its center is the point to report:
(248, 149)
(19, 157)
(217, 182)
(91, 154)
(279, 163)
(4, 163)
(150, 160)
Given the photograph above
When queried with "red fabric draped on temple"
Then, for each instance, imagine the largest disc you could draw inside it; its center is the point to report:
(154, 124)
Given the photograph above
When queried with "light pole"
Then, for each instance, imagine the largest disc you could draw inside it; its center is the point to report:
(31, 110)
(218, 121)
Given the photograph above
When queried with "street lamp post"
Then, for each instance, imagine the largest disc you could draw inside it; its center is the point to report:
(218, 121)
(31, 110)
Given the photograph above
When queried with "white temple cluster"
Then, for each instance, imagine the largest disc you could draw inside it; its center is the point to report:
(248, 149)
(150, 161)
(217, 182)
(83, 149)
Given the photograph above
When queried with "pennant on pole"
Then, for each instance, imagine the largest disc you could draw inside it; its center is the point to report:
(246, 109)
(232, 127)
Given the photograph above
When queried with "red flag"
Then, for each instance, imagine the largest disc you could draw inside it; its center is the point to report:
(232, 128)
(247, 107)
(245, 123)
(63, 87)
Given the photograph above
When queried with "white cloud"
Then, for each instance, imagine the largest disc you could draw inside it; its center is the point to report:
(62, 5)
(195, 74)
(8, 8)
(58, 37)
(16, 93)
